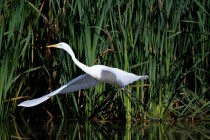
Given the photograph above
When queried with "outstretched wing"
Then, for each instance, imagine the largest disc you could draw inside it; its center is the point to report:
(81, 82)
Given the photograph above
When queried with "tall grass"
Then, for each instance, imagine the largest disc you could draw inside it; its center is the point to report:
(165, 39)
(11, 56)
(15, 54)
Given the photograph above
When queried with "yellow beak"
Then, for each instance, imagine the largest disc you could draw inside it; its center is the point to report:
(53, 46)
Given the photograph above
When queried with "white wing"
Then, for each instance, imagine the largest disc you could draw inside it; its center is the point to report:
(81, 82)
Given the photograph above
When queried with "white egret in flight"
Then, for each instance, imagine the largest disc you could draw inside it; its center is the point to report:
(93, 76)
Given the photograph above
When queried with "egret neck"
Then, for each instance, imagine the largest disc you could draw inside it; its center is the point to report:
(82, 66)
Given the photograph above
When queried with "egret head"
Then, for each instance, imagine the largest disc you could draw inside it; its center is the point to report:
(61, 45)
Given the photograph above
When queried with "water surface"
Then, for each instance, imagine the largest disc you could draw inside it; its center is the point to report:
(85, 130)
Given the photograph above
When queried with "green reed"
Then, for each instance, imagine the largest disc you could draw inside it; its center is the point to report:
(15, 55)
(10, 57)
(166, 40)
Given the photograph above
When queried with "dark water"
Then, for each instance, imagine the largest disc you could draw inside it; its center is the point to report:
(85, 130)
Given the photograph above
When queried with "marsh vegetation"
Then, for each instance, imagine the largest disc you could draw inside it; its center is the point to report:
(168, 40)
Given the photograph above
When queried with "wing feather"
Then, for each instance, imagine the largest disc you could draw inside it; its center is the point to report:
(81, 82)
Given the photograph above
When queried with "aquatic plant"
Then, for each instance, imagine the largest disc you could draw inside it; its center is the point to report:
(168, 40)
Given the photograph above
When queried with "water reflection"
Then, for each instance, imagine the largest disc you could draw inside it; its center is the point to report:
(83, 129)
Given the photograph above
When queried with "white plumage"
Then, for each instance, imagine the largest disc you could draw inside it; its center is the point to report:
(94, 75)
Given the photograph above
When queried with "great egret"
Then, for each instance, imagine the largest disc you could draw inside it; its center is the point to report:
(93, 76)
